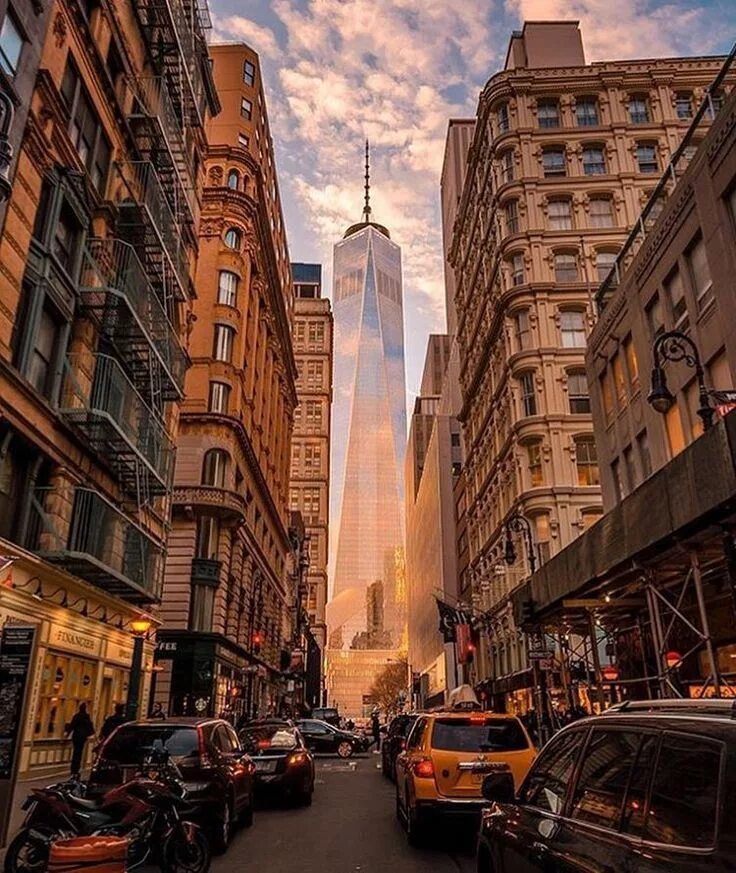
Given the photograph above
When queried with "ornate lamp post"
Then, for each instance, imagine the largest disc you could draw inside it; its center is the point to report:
(519, 524)
(677, 346)
(139, 628)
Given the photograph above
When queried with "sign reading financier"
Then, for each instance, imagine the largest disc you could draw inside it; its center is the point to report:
(16, 650)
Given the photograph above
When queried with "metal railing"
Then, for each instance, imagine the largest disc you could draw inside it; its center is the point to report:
(97, 542)
(683, 154)
(190, 54)
(101, 400)
(112, 274)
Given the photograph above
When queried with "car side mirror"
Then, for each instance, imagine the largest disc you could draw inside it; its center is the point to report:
(499, 787)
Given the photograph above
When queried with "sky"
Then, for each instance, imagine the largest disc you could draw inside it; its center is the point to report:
(394, 71)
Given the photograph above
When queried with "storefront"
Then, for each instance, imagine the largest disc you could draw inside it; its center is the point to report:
(80, 656)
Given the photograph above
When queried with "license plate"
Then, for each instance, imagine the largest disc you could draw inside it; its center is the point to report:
(265, 766)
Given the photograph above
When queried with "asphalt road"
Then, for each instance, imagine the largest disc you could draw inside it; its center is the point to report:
(351, 827)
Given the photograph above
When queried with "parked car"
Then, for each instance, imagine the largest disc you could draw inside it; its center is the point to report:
(394, 742)
(328, 714)
(284, 765)
(440, 774)
(216, 771)
(322, 737)
(647, 786)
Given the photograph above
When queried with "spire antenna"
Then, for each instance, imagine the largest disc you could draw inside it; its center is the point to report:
(367, 207)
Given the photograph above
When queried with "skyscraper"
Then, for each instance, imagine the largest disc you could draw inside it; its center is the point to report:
(369, 437)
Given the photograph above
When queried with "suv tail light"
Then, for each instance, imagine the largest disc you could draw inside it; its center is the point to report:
(424, 768)
(204, 758)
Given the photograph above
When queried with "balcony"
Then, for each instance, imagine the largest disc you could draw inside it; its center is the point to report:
(121, 428)
(206, 572)
(114, 285)
(151, 220)
(211, 500)
(99, 544)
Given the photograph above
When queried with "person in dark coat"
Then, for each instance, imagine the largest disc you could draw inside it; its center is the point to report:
(376, 730)
(113, 721)
(80, 729)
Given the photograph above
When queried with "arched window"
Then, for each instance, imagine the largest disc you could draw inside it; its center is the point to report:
(528, 393)
(604, 262)
(577, 392)
(507, 166)
(502, 117)
(233, 180)
(548, 113)
(554, 162)
(566, 267)
(227, 288)
(586, 460)
(214, 468)
(522, 329)
(594, 160)
(646, 157)
(559, 212)
(572, 328)
(534, 456)
(233, 238)
(223, 343)
(511, 210)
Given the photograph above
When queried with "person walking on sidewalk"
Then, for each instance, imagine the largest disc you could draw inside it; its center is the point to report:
(113, 721)
(376, 731)
(80, 729)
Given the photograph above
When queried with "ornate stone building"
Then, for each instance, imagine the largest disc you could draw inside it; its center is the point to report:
(228, 594)
(563, 157)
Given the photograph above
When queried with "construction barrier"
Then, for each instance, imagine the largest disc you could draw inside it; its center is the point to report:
(89, 854)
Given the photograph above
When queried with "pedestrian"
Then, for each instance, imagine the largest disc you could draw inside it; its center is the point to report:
(157, 711)
(113, 721)
(80, 729)
(376, 731)
(350, 725)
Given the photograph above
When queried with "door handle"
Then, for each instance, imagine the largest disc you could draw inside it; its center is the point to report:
(540, 848)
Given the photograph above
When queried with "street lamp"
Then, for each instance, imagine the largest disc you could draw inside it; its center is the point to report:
(677, 346)
(519, 524)
(139, 628)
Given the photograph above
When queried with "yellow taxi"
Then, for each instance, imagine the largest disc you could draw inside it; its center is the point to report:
(447, 756)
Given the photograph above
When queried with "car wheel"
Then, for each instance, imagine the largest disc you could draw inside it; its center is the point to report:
(304, 797)
(245, 819)
(345, 749)
(416, 831)
(222, 830)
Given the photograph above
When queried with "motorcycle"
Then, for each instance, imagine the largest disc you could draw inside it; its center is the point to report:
(147, 810)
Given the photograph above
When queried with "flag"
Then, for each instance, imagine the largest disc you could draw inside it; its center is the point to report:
(450, 618)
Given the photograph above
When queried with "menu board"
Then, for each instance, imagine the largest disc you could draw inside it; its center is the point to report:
(16, 650)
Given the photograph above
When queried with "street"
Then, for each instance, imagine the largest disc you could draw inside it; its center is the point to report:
(351, 826)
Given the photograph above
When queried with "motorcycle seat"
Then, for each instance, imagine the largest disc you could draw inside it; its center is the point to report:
(83, 803)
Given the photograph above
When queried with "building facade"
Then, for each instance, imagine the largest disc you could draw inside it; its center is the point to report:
(228, 598)
(98, 251)
(310, 448)
(563, 157)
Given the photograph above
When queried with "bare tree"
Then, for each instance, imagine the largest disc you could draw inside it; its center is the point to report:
(389, 689)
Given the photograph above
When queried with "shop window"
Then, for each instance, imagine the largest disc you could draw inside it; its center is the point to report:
(66, 682)
(601, 212)
(214, 468)
(577, 392)
(559, 213)
(586, 112)
(572, 329)
(594, 161)
(586, 460)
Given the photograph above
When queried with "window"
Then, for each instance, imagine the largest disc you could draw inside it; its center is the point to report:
(639, 110)
(675, 288)
(201, 608)
(522, 329)
(246, 108)
(243, 140)
(607, 395)
(227, 288)
(528, 396)
(646, 158)
(594, 161)
(619, 380)
(586, 112)
(604, 777)
(618, 484)
(586, 460)
(66, 682)
(223, 344)
(700, 274)
(85, 129)
(654, 317)
(631, 473)
(577, 392)
(249, 73)
(559, 213)
(214, 468)
(11, 45)
(572, 329)
(316, 335)
(207, 543)
(604, 262)
(601, 212)
(551, 773)
(684, 106)
(541, 525)
(566, 267)
(645, 460)
(65, 242)
(517, 269)
(233, 238)
(589, 517)
(233, 180)
(553, 162)
(502, 118)
(632, 364)
(507, 166)
(534, 454)
(548, 113)
(219, 397)
(313, 416)
(45, 352)
(512, 216)
(675, 432)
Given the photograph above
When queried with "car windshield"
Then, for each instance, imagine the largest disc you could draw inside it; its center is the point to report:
(131, 743)
(270, 736)
(478, 735)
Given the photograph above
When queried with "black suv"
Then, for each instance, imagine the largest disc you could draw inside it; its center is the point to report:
(394, 742)
(322, 737)
(216, 771)
(647, 786)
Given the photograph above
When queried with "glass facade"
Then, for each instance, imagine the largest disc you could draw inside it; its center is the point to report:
(368, 609)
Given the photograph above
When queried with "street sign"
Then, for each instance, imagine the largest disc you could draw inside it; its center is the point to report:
(540, 654)
(547, 664)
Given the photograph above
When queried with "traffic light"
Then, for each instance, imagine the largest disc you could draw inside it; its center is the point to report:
(257, 641)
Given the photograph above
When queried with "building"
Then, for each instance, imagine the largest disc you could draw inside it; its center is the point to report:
(657, 587)
(432, 465)
(98, 250)
(310, 449)
(228, 598)
(369, 437)
(561, 162)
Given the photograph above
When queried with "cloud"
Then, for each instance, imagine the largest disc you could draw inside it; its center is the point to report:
(237, 27)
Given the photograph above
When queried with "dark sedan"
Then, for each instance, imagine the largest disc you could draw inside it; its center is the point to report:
(284, 765)
(326, 739)
(394, 742)
(217, 772)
